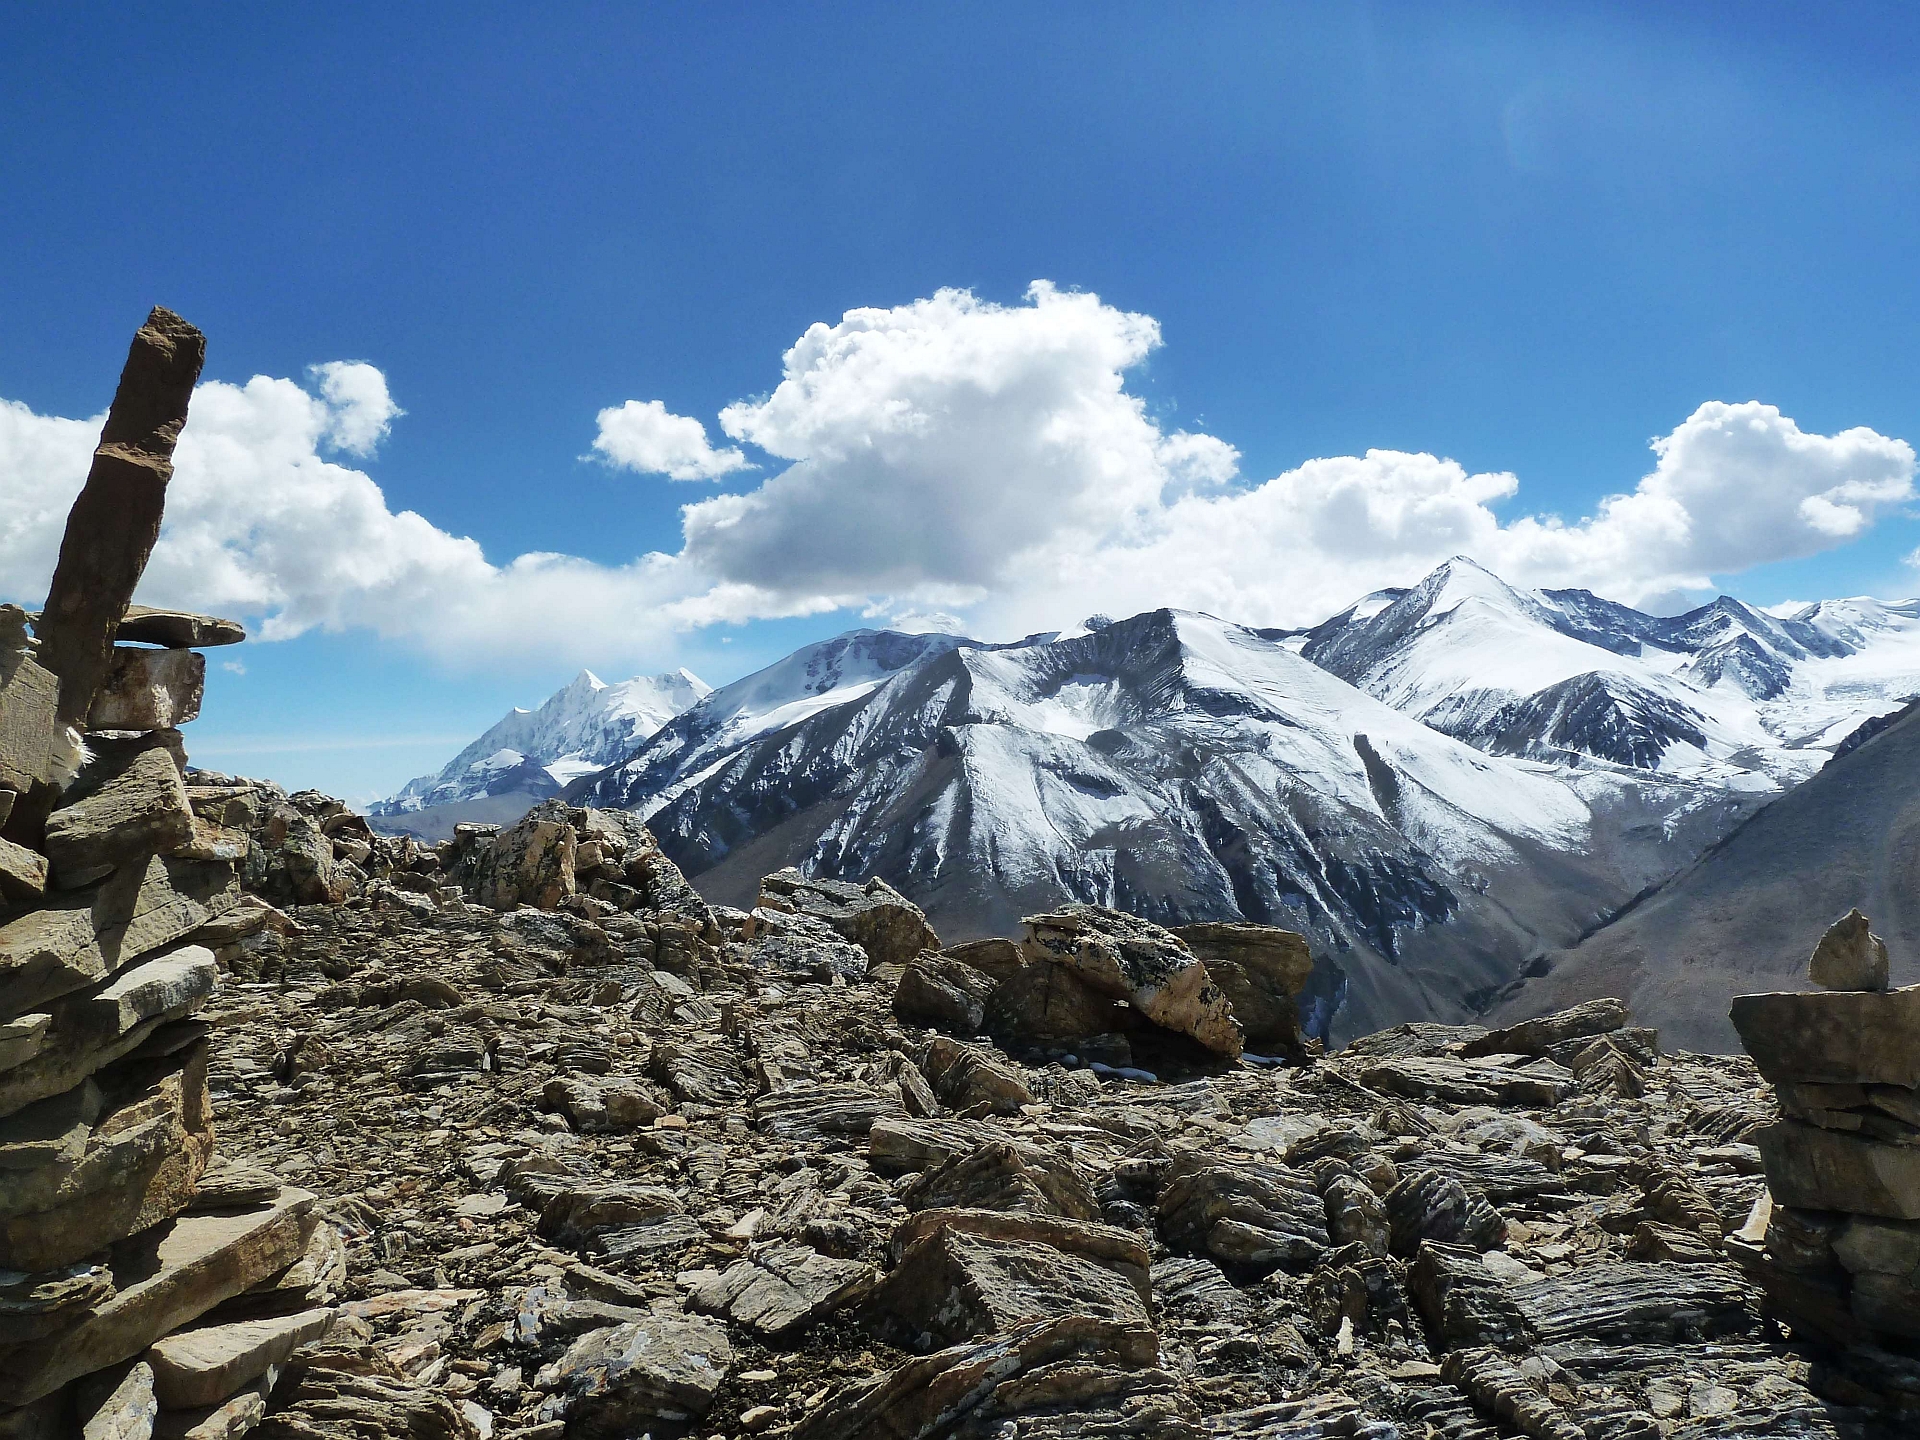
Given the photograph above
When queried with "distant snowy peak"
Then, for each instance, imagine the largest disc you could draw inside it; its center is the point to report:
(583, 727)
(1560, 674)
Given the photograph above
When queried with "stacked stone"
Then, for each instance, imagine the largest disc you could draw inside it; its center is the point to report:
(141, 1292)
(1836, 1242)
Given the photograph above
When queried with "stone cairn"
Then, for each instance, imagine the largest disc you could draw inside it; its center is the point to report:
(143, 1289)
(1835, 1243)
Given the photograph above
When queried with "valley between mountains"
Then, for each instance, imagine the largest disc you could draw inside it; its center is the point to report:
(1451, 789)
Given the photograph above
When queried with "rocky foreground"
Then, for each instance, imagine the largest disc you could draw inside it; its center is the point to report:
(586, 1195)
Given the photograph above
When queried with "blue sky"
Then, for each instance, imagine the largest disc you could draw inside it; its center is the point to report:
(1527, 239)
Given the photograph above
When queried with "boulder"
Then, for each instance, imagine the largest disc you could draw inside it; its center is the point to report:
(1243, 1213)
(149, 690)
(1262, 970)
(959, 1274)
(116, 518)
(1136, 961)
(531, 862)
(973, 1081)
(1050, 1005)
(1840, 1037)
(617, 1381)
(1849, 956)
(1428, 1206)
(943, 992)
(1004, 1175)
(874, 915)
(141, 809)
(780, 1289)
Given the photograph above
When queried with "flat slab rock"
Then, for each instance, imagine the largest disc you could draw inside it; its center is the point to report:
(780, 1289)
(1839, 1037)
(206, 1364)
(1812, 1168)
(177, 629)
(1537, 1083)
(165, 1278)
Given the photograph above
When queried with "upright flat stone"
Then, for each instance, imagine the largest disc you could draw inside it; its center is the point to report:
(1839, 1037)
(36, 747)
(81, 937)
(1849, 956)
(178, 629)
(149, 690)
(1261, 969)
(141, 810)
(167, 1277)
(116, 519)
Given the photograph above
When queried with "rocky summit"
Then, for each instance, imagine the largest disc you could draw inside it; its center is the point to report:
(311, 1133)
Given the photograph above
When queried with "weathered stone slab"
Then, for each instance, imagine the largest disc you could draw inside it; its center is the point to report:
(141, 810)
(810, 1112)
(1007, 1176)
(1646, 1304)
(166, 1277)
(943, 992)
(177, 629)
(149, 690)
(934, 1394)
(1837, 1037)
(897, 1146)
(1243, 1213)
(954, 1281)
(21, 1038)
(137, 1168)
(80, 938)
(779, 1290)
(35, 1306)
(23, 873)
(1812, 1168)
(126, 1411)
(36, 747)
(1461, 1082)
(116, 518)
(1537, 1036)
(1262, 969)
(206, 1364)
(1136, 961)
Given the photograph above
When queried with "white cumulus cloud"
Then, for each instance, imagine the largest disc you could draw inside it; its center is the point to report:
(955, 463)
(644, 435)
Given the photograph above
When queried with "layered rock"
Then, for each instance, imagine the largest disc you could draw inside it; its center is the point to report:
(1836, 1241)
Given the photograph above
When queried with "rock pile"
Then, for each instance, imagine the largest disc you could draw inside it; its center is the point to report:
(144, 1287)
(1836, 1242)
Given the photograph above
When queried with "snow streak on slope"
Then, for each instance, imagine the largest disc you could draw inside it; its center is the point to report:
(581, 728)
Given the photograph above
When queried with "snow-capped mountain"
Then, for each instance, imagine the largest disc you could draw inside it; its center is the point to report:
(1725, 694)
(1174, 765)
(531, 754)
